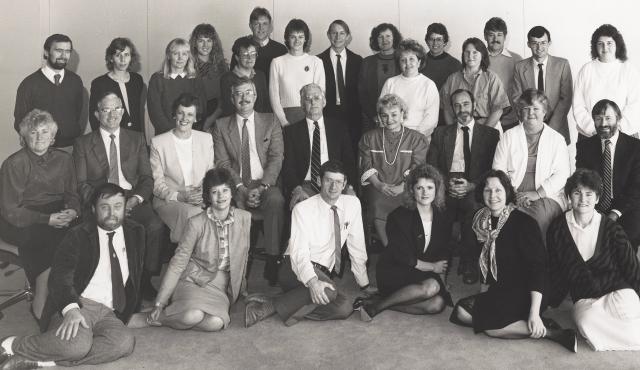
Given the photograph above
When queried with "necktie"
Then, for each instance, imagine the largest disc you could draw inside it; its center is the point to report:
(56, 79)
(340, 79)
(540, 77)
(337, 239)
(466, 150)
(113, 162)
(246, 159)
(315, 158)
(117, 286)
(607, 194)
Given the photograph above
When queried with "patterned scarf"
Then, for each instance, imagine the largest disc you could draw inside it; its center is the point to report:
(482, 227)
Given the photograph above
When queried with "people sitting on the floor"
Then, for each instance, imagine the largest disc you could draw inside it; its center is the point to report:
(513, 262)
(536, 158)
(411, 269)
(38, 200)
(320, 226)
(94, 287)
(387, 155)
(591, 258)
(207, 272)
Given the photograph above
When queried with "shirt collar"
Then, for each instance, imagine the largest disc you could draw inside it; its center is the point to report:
(174, 75)
(50, 72)
(264, 43)
(470, 125)
(107, 135)
(544, 62)
(105, 232)
(504, 52)
(320, 123)
(39, 158)
(343, 53)
(227, 221)
(613, 139)
(240, 119)
(339, 203)
(595, 220)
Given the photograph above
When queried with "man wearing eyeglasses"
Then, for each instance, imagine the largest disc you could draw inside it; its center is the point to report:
(549, 74)
(249, 144)
(119, 156)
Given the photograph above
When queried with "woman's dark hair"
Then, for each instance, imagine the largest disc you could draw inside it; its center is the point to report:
(437, 28)
(583, 177)
(601, 107)
(609, 31)
(504, 180)
(185, 100)
(479, 45)
(215, 177)
(298, 25)
(375, 32)
(119, 44)
(427, 172)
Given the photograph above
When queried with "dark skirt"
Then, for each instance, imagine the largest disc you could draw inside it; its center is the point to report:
(391, 277)
(500, 306)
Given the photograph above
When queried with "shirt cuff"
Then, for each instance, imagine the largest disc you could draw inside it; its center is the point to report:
(173, 196)
(617, 212)
(44, 218)
(365, 176)
(69, 307)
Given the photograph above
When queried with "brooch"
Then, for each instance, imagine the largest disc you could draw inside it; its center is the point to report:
(306, 68)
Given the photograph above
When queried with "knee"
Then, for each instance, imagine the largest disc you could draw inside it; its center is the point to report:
(78, 348)
(192, 317)
(273, 198)
(436, 305)
(124, 344)
(332, 294)
(211, 323)
(429, 288)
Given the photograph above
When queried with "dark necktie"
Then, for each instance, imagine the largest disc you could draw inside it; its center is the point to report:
(540, 77)
(113, 162)
(246, 158)
(117, 286)
(315, 158)
(340, 79)
(56, 79)
(337, 239)
(607, 193)
(466, 150)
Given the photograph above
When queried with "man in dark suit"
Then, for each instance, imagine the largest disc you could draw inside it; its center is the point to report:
(120, 156)
(94, 288)
(463, 153)
(311, 142)
(546, 73)
(616, 157)
(342, 89)
(249, 144)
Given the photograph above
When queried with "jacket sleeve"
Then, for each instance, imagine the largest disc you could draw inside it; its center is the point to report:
(144, 185)
(558, 280)
(275, 156)
(62, 290)
(535, 258)
(159, 121)
(563, 106)
(160, 187)
(222, 157)
(399, 242)
(85, 189)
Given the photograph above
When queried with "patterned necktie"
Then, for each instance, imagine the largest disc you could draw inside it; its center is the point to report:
(113, 162)
(117, 286)
(56, 79)
(466, 150)
(340, 79)
(315, 158)
(246, 158)
(607, 194)
(337, 239)
(540, 77)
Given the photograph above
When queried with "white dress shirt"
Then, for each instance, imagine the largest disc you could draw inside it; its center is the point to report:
(49, 73)
(184, 151)
(324, 152)
(334, 63)
(312, 237)
(457, 164)
(256, 167)
(587, 237)
(107, 146)
(536, 71)
(174, 75)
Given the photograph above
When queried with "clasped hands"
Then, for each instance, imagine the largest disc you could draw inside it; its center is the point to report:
(524, 198)
(63, 218)
(191, 195)
(459, 187)
(249, 197)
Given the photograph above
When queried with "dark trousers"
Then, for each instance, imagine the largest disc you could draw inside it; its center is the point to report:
(462, 210)
(154, 232)
(630, 222)
(272, 213)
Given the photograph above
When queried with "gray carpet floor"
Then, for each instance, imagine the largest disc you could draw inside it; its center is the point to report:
(391, 341)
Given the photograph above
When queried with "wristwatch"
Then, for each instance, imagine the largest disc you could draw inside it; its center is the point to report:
(265, 186)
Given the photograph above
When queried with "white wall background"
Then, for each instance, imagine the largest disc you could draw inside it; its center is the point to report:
(151, 24)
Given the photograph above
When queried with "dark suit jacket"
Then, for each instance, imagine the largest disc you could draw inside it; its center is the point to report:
(350, 100)
(297, 152)
(558, 89)
(483, 147)
(76, 261)
(269, 145)
(92, 164)
(626, 168)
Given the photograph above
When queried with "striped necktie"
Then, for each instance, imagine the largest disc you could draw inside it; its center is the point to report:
(246, 157)
(114, 176)
(607, 175)
(315, 158)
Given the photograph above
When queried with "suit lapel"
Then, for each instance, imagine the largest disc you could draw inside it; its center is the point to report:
(529, 73)
(126, 145)
(476, 146)
(97, 146)
(619, 158)
(449, 144)
(260, 127)
(234, 138)
(132, 256)
(305, 145)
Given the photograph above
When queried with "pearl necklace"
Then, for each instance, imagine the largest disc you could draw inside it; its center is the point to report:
(384, 150)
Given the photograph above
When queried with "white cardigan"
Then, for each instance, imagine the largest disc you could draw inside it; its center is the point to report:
(552, 164)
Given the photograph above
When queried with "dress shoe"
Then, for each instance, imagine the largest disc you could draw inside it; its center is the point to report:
(257, 311)
(4, 356)
(568, 339)
(470, 275)
(138, 321)
(257, 297)
(17, 362)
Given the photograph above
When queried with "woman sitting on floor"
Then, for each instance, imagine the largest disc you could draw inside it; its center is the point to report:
(591, 258)
(513, 263)
(410, 268)
(207, 272)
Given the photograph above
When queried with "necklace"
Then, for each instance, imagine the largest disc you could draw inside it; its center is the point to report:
(384, 150)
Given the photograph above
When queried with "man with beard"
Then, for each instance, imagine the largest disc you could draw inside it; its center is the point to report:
(249, 144)
(502, 62)
(616, 157)
(54, 89)
(463, 153)
(94, 288)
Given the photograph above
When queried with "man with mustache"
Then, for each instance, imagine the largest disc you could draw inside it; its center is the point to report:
(616, 157)
(502, 62)
(119, 156)
(54, 89)
(249, 144)
(463, 153)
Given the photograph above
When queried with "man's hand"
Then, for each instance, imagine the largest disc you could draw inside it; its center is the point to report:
(191, 195)
(59, 220)
(460, 187)
(132, 202)
(316, 289)
(70, 324)
(524, 198)
(613, 216)
(397, 189)
(254, 197)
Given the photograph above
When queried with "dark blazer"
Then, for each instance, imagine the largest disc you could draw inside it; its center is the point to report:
(297, 152)
(350, 100)
(483, 147)
(269, 145)
(76, 261)
(135, 87)
(626, 168)
(92, 164)
(406, 237)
